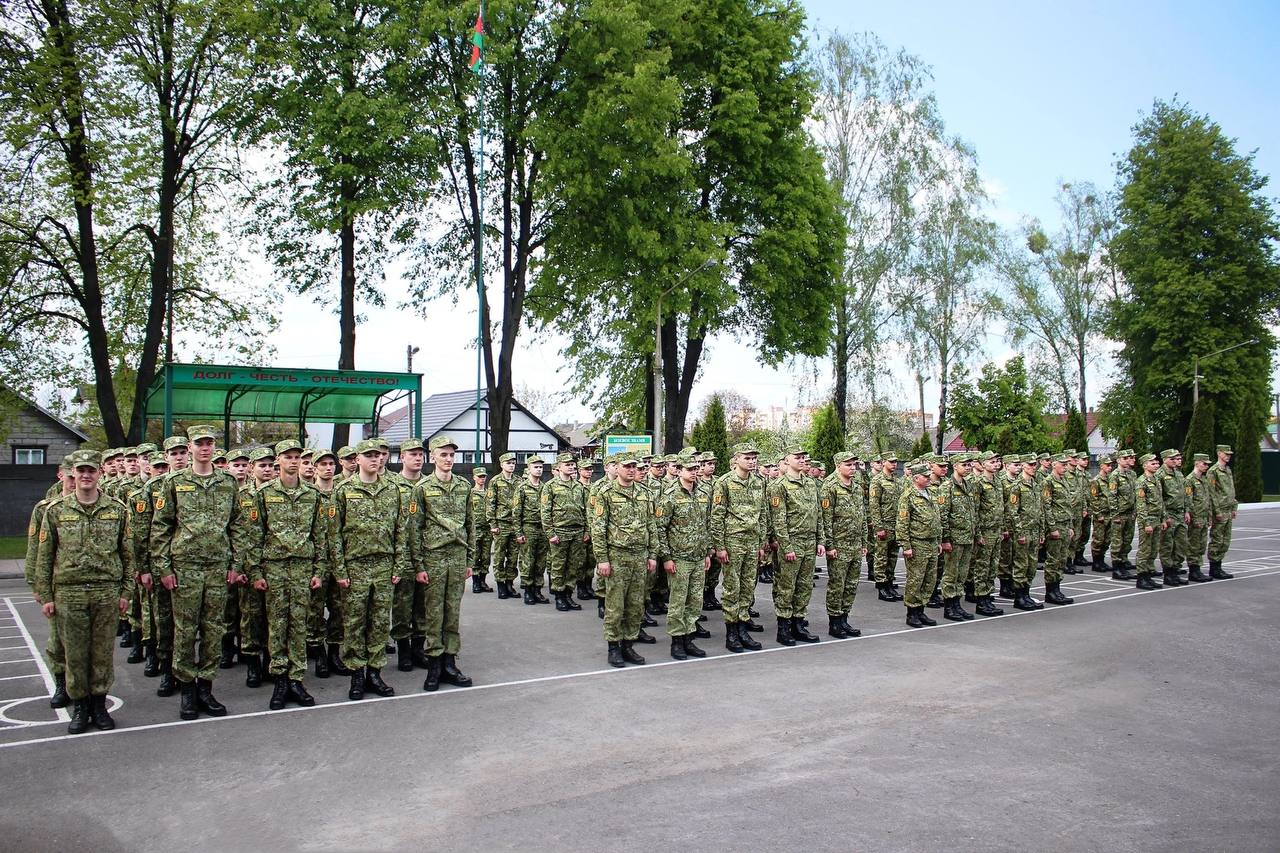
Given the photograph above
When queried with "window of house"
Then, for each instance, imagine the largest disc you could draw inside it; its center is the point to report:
(28, 455)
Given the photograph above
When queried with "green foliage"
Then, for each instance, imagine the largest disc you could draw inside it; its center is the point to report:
(768, 442)
(1196, 246)
(1122, 421)
(922, 447)
(1200, 435)
(1074, 434)
(1246, 464)
(877, 429)
(712, 432)
(1003, 412)
(825, 436)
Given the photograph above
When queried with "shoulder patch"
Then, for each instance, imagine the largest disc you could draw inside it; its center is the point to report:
(904, 514)
(140, 506)
(942, 499)
(333, 512)
(44, 535)
(184, 487)
(159, 503)
(1142, 493)
(253, 514)
(658, 512)
(1013, 497)
(717, 498)
(777, 501)
(413, 507)
(599, 509)
(826, 503)
(31, 530)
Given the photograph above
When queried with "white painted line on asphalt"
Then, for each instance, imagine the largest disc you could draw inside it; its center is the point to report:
(16, 677)
(546, 679)
(36, 655)
(8, 648)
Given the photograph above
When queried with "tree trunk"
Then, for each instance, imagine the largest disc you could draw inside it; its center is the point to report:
(678, 375)
(842, 364)
(1080, 359)
(942, 399)
(347, 300)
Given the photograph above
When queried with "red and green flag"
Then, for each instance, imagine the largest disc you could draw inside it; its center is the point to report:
(477, 45)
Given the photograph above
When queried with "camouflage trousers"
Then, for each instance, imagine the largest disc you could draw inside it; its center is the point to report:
(135, 607)
(685, 602)
(1057, 552)
(565, 560)
(288, 604)
(587, 568)
(54, 654)
(441, 612)
(1173, 546)
(1004, 563)
(87, 615)
(367, 612)
(197, 621)
(1197, 539)
(484, 545)
(505, 557)
(793, 583)
(739, 581)
(842, 579)
(231, 613)
(886, 559)
(253, 620)
(922, 571)
(1024, 562)
(956, 564)
(1121, 537)
(624, 596)
(157, 619)
(1148, 549)
(986, 556)
(655, 582)
(408, 601)
(1083, 527)
(711, 579)
(1220, 539)
(325, 621)
(533, 559)
(1101, 537)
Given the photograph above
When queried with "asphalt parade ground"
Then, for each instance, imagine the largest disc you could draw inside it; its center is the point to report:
(1127, 721)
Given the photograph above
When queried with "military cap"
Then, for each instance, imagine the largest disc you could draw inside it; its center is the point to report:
(1058, 457)
(1071, 451)
(90, 458)
(537, 460)
(890, 457)
(627, 459)
(237, 453)
(652, 461)
(260, 453)
(112, 453)
(918, 470)
(1105, 459)
(820, 466)
(146, 449)
(128, 451)
(410, 444)
(479, 472)
(1145, 458)
(1200, 457)
(507, 457)
(936, 459)
(174, 441)
(65, 465)
(285, 446)
(792, 450)
(960, 457)
(346, 450)
(745, 448)
(197, 431)
(366, 446)
(690, 461)
(842, 456)
(308, 452)
(439, 441)
(585, 464)
(1223, 448)
(564, 457)
(320, 453)
(706, 456)
(986, 456)
(1170, 453)
(219, 453)
(879, 457)
(1125, 453)
(157, 458)
(1042, 457)
(381, 443)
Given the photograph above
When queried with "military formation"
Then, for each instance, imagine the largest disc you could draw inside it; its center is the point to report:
(200, 559)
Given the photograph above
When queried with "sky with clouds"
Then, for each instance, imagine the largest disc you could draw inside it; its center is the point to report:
(1043, 92)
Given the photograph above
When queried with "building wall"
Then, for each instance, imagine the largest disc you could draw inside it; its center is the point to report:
(31, 429)
(21, 486)
(526, 437)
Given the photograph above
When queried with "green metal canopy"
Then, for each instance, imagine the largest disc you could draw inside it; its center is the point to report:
(280, 395)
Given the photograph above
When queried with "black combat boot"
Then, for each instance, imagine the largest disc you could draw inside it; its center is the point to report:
(647, 621)
(585, 592)
(450, 674)
(502, 589)
(600, 607)
(187, 709)
(253, 671)
(629, 654)
(205, 699)
(432, 682)
(1100, 562)
(416, 654)
(913, 617)
(477, 586)
(732, 641)
(800, 630)
(642, 637)
(935, 601)
(1216, 572)
(849, 630)
(538, 596)
(322, 662)
(404, 662)
(126, 637)
(569, 600)
(677, 648)
(311, 651)
(1194, 575)
(690, 649)
(951, 610)
(1120, 571)
(1145, 582)
(59, 698)
(659, 606)
(122, 625)
(167, 685)
(1080, 560)
(615, 655)
(752, 612)
(151, 668)
(765, 575)
(752, 626)
(98, 713)
(1069, 567)
(279, 693)
(136, 653)
(925, 619)
(964, 614)
(528, 596)
(784, 632)
(484, 583)
(709, 600)
(987, 607)
(1006, 588)
(228, 657)
(1053, 594)
(373, 682)
(893, 588)
(336, 666)
(299, 695)
(835, 628)
(1176, 575)
(884, 593)
(748, 642)
(1021, 600)
(79, 717)
(968, 592)
(700, 632)
(356, 692)
(561, 604)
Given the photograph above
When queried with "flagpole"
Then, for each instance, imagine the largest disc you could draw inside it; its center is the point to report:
(480, 308)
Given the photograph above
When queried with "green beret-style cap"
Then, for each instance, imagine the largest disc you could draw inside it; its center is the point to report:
(286, 445)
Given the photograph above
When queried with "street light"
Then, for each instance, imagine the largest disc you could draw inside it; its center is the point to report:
(409, 352)
(657, 354)
(1195, 367)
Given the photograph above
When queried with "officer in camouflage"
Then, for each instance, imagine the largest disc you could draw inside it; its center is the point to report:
(1222, 499)
(500, 501)
(684, 549)
(844, 522)
(484, 539)
(1025, 515)
(989, 494)
(1123, 503)
(796, 521)
(407, 632)
(958, 502)
(53, 652)
(1100, 512)
(1059, 514)
(1173, 541)
(562, 507)
(1150, 517)
(1200, 515)
(530, 536)
(624, 530)
(739, 532)
(882, 498)
(918, 526)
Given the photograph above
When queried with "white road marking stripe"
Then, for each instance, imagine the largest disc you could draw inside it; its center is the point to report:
(63, 716)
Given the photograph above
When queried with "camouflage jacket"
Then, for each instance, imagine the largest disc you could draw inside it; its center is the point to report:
(370, 520)
(919, 517)
(526, 513)
(1058, 503)
(479, 517)
(1197, 491)
(958, 503)
(1100, 498)
(794, 514)
(990, 496)
(1123, 486)
(738, 513)
(1174, 494)
(683, 518)
(563, 508)
(33, 539)
(882, 499)
(844, 517)
(444, 520)
(623, 522)
(1150, 501)
(500, 500)
(288, 524)
(197, 520)
(84, 544)
(1026, 513)
(1222, 491)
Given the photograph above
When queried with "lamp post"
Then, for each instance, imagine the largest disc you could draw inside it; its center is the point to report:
(1195, 367)
(920, 380)
(657, 355)
(408, 357)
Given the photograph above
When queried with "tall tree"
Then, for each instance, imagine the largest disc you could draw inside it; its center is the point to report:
(1003, 411)
(878, 127)
(1197, 249)
(826, 437)
(1247, 462)
(715, 432)
(1200, 434)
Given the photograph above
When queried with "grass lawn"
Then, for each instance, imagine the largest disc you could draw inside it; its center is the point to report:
(13, 547)
(1267, 499)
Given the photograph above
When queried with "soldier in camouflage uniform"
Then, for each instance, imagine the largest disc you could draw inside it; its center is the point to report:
(739, 531)
(796, 522)
(527, 518)
(1149, 512)
(562, 507)
(1222, 499)
(53, 652)
(919, 528)
(238, 466)
(958, 502)
(1123, 485)
(624, 530)
(1084, 516)
(586, 569)
(288, 555)
(443, 552)
(140, 503)
(142, 473)
(253, 603)
(197, 548)
(610, 477)
(1059, 514)
(484, 539)
(83, 577)
(1173, 541)
(407, 600)
(1099, 502)
(989, 499)
(844, 522)
(1025, 515)
(1200, 514)
(324, 624)
(371, 554)
(1007, 479)
(882, 497)
(500, 501)
(684, 549)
